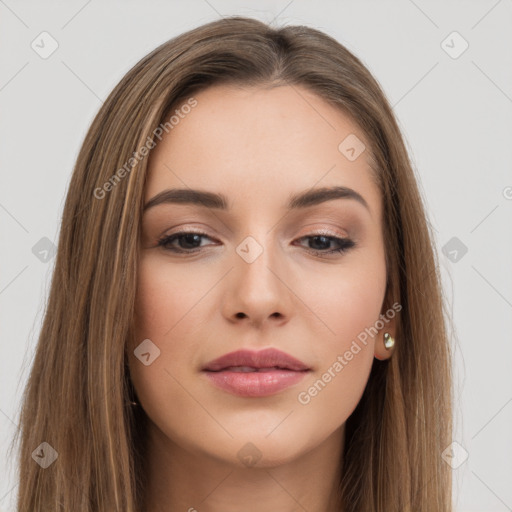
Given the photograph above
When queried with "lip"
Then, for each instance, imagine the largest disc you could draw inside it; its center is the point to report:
(272, 372)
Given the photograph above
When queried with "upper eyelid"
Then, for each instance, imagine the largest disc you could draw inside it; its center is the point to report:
(314, 232)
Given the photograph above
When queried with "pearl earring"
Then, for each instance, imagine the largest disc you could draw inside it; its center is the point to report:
(388, 341)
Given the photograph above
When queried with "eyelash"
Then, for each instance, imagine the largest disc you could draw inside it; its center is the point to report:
(345, 243)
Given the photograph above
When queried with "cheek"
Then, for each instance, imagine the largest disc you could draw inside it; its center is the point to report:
(163, 299)
(331, 395)
(349, 302)
(160, 312)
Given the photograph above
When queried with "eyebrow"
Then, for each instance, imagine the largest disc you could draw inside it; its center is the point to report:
(217, 201)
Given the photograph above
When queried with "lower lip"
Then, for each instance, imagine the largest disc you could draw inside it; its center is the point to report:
(255, 384)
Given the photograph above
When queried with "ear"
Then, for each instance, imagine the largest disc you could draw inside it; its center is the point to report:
(381, 353)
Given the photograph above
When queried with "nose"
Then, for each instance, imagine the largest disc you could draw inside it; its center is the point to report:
(257, 293)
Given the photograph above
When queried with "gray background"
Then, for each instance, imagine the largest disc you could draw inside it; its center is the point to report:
(455, 114)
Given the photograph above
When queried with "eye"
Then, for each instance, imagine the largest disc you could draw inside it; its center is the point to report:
(321, 242)
(188, 241)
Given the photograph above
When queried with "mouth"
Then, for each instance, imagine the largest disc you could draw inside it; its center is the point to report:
(250, 360)
(249, 369)
(255, 374)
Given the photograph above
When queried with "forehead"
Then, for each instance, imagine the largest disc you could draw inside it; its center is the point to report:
(259, 144)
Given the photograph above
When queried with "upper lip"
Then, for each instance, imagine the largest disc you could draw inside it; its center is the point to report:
(266, 358)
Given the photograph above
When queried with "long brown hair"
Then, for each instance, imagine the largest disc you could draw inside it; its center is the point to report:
(78, 392)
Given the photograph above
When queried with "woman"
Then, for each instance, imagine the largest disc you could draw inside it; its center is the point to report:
(246, 300)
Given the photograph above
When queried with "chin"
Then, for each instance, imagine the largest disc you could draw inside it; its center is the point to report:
(253, 451)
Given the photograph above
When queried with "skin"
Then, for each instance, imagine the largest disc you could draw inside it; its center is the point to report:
(256, 146)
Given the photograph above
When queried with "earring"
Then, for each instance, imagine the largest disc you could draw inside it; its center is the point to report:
(388, 341)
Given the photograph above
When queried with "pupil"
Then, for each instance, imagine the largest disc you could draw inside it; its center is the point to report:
(191, 238)
(325, 240)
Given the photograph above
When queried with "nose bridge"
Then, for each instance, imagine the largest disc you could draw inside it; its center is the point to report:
(256, 256)
(256, 291)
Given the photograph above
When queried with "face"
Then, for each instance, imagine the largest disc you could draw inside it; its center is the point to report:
(257, 272)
